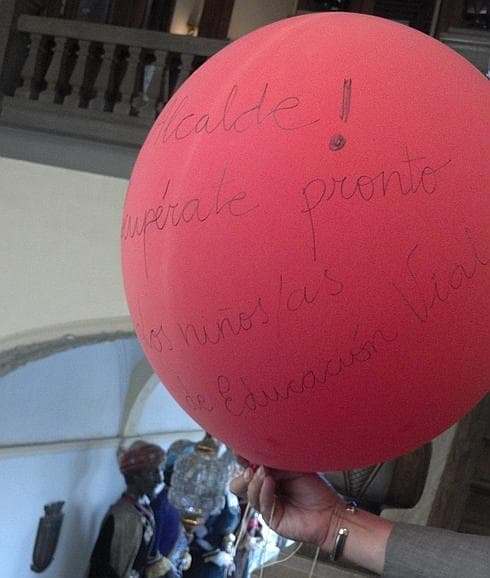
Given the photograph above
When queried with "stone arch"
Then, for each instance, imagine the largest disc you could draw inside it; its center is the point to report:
(21, 348)
(142, 383)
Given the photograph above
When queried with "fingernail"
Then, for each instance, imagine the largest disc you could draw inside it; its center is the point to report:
(247, 475)
(261, 472)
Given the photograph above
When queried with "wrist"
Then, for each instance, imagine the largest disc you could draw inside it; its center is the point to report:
(339, 528)
(364, 541)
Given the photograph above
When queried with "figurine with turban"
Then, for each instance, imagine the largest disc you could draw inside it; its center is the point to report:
(124, 546)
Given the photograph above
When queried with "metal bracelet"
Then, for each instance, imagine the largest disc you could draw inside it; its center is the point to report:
(338, 547)
(342, 534)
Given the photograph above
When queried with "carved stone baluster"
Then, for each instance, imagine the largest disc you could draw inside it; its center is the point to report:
(92, 69)
(165, 88)
(102, 81)
(76, 80)
(126, 89)
(185, 70)
(153, 91)
(29, 69)
(53, 73)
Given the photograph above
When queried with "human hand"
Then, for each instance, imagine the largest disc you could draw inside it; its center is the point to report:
(298, 506)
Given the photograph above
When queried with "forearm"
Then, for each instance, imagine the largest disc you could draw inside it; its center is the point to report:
(424, 552)
(406, 550)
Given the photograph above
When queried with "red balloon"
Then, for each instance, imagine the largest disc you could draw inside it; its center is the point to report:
(306, 242)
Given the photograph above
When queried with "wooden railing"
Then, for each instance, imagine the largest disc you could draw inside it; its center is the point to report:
(95, 80)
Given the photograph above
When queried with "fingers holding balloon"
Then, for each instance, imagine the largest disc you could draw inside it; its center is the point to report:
(261, 495)
(239, 485)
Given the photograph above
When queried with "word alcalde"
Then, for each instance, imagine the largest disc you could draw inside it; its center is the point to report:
(179, 123)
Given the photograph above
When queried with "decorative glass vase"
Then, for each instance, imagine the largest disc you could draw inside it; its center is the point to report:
(199, 483)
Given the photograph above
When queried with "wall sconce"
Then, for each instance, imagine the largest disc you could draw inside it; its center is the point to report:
(48, 532)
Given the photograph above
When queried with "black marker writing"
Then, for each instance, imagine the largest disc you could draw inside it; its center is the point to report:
(195, 401)
(294, 299)
(193, 209)
(228, 324)
(338, 140)
(346, 98)
(238, 403)
(440, 285)
(178, 123)
(158, 339)
(414, 177)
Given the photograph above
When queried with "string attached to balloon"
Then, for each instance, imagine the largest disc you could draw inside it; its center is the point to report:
(242, 528)
(290, 555)
(248, 512)
(315, 560)
(269, 523)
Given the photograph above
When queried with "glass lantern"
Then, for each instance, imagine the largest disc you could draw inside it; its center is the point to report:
(199, 483)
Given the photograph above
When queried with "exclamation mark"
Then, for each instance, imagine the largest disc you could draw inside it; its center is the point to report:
(344, 111)
(338, 140)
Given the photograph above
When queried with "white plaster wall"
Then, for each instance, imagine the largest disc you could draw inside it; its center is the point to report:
(155, 406)
(59, 254)
(60, 427)
(73, 395)
(60, 416)
(248, 15)
(86, 479)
